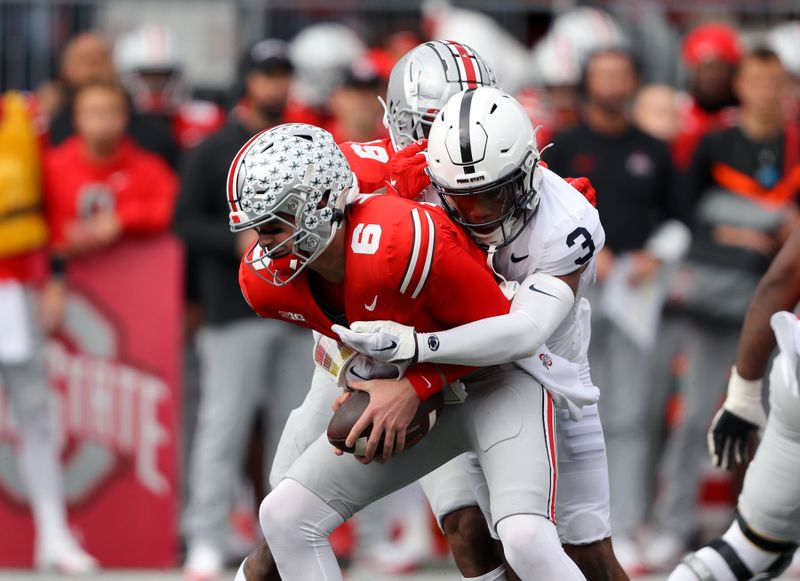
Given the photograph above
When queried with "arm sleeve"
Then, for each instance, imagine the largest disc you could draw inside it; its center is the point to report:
(196, 220)
(539, 307)
(152, 202)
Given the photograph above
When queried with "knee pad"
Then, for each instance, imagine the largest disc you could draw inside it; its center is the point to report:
(521, 532)
(292, 513)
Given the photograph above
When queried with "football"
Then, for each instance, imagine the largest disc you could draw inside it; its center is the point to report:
(348, 413)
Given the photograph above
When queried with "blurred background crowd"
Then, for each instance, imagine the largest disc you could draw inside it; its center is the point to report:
(118, 122)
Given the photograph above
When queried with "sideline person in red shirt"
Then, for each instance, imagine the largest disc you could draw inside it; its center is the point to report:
(99, 185)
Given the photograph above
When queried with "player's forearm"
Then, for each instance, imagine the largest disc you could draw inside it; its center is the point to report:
(486, 342)
(779, 290)
(536, 312)
(757, 340)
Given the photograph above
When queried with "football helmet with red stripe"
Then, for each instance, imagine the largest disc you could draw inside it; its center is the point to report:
(293, 175)
(484, 163)
(423, 80)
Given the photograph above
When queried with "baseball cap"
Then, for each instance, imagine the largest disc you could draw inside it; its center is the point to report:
(362, 74)
(712, 41)
(267, 56)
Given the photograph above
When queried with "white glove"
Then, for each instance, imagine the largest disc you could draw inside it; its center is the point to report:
(364, 368)
(741, 418)
(385, 341)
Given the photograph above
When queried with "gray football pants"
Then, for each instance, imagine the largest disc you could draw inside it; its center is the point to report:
(244, 365)
(770, 499)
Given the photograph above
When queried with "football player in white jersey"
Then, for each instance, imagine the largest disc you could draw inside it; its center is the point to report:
(762, 540)
(541, 236)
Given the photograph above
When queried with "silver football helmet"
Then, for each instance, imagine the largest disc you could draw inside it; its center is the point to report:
(294, 174)
(423, 80)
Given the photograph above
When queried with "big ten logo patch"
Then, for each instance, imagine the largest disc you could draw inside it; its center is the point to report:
(106, 410)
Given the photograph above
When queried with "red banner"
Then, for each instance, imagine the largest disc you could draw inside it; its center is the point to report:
(115, 373)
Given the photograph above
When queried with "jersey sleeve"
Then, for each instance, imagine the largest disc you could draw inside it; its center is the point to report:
(572, 242)
(370, 162)
(429, 378)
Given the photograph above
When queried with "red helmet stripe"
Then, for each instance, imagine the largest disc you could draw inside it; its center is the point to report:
(234, 169)
(469, 68)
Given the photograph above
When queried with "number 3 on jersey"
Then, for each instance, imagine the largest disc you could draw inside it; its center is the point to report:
(587, 243)
(366, 238)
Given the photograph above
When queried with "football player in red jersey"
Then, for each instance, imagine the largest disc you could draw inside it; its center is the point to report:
(420, 85)
(317, 262)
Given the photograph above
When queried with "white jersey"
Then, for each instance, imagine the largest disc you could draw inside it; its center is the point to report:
(565, 235)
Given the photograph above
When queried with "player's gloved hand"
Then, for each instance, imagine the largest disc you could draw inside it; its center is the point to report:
(739, 420)
(407, 170)
(363, 368)
(385, 341)
(584, 186)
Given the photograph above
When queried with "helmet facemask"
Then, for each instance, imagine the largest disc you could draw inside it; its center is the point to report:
(494, 214)
(296, 177)
(406, 125)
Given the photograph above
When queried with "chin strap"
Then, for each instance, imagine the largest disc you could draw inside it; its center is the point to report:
(508, 287)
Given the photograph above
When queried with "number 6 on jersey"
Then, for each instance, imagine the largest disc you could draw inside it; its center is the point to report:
(366, 238)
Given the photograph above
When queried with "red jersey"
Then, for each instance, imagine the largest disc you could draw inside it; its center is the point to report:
(137, 185)
(695, 123)
(405, 262)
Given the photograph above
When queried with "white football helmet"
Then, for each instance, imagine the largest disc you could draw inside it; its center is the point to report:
(559, 57)
(294, 174)
(423, 80)
(484, 163)
(784, 39)
(151, 69)
(321, 54)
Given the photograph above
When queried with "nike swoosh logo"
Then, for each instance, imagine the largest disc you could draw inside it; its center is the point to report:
(514, 259)
(428, 383)
(390, 347)
(371, 307)
(352, 372)
(536, 290)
